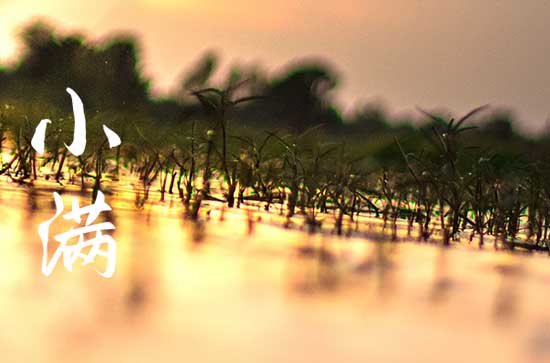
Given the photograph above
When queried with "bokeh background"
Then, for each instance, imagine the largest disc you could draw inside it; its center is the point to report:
(406, 53)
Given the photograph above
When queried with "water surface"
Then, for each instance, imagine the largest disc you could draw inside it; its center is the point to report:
(217, 293)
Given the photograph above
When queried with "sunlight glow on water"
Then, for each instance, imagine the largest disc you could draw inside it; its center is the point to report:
(215, 293)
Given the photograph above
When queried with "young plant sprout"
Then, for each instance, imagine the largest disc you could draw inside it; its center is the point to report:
(441, 181)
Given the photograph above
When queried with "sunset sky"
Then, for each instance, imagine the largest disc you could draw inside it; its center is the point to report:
(456, 54)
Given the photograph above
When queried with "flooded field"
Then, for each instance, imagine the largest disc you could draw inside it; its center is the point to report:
(227, 290)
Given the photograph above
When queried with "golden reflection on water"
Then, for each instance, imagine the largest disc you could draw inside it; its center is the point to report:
(238, 287)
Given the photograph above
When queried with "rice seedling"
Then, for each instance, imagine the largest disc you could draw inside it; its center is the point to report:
(443, 170)
(222, 102)
(445, 184)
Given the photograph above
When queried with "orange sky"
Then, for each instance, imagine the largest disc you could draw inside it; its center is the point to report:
(455, 53)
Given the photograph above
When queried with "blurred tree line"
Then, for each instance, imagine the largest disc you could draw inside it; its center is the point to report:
(109, 78)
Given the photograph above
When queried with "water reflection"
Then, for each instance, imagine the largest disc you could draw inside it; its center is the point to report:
(138, 276)
(253, 287)
(508, 292)
(538, 344)
(379, 265)
(197, 231)
(314, 268)
(442, 283)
